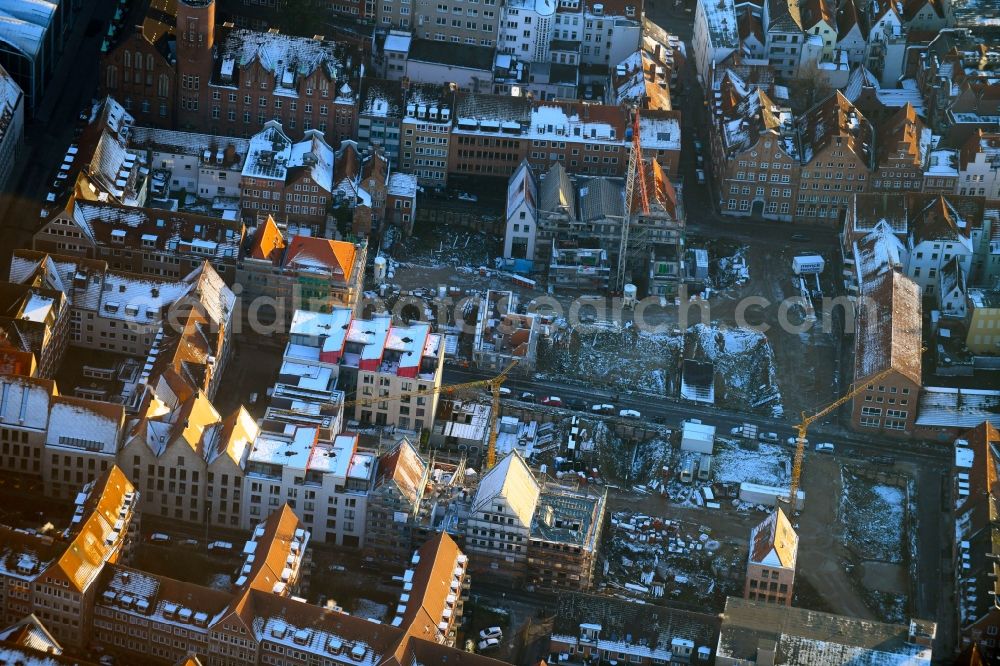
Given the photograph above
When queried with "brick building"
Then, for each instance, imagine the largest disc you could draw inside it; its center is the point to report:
(903, 151)
(836, 143)
(291, 181)
(774, 548)
(198, 76)
(888, 337)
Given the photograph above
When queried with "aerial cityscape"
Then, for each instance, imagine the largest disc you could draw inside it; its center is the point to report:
(475, 332)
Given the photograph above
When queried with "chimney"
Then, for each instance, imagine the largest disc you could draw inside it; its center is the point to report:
(657, 52)
(230, 156)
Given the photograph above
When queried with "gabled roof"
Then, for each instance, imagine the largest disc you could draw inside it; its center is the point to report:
(557, 192)
(889, 328)
(833, 118)
(938, 220)
(815, 12)
(310, 252)
(437, 561)
(847, 18)
(513, 481)
(404, 468)
(774, 543)
(784, 16)
(30, 633)
(904, 131)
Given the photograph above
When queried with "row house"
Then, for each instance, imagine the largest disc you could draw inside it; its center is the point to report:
(887, 43)
(956, 75)
(258, 619)
(755, 151)
(187, 459)
(204, 165)
(36, 320)
(394, 503)
(325, 482)
(715, 36)
(979, 166)
(375, 196)
(974, 549)
(887, 352)
(56, 577)
(144, 241)
(902, 152)
(837, 145)
(918, 234)
(286, 180)
(195, 75)
(281, 273)
(130, 314)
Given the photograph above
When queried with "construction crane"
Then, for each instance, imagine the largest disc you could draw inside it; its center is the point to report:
(634, 173)
(492, 385)
(802, 428)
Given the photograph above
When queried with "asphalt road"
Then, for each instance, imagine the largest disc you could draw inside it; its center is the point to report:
(671, 412)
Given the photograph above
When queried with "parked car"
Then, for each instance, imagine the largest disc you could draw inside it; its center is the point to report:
(491, 632)
(106, 660)
(159, 537)
(253, 398)
(603, 409)
(224, 546)
(698, 145)
(527, 397)
(736, 431)
(629, 414)
(700, 173)
(189, 543)
(588, 92)
(800, 238)
(552, 401)
(488, 644)
(505, 392)
(768, 437)
(824, 447)
(465, 196)
(792, 441)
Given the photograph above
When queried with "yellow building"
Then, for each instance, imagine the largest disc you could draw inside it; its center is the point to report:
(983, 322)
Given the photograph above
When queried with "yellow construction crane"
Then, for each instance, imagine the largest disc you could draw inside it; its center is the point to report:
(493, 385)
(802, 428)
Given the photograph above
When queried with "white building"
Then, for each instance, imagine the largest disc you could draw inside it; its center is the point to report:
(609, 39)
(201, 164)
(887, 45)
(715, 36)
(11, 127)
(522, 214)
(937, 234)
(979, 166)
(326, 483)
(499, 523)
(527, 29)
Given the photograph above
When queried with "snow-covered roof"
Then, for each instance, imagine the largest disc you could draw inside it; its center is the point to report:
(285, 56)
(944, 407)
(721, 20)
(889, 328)
(84, 424)
(397, 41)
(24, 402)
(402, 185)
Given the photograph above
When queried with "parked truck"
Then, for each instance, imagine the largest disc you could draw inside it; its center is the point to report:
(754, 493)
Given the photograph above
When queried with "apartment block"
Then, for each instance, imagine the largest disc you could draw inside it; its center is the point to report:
(977, 166)
(426, 132)
(453, 22)
(143, 241)
(394, 502)
(774, 547)
(24, 422)
(325, 483)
